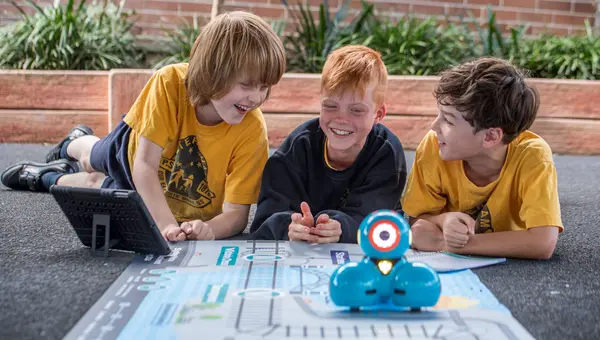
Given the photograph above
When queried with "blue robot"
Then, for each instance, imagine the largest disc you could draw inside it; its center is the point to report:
(384, 274)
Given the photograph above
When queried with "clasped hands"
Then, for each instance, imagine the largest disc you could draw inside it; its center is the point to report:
(453, 232)
(192, 230)
(304, 227)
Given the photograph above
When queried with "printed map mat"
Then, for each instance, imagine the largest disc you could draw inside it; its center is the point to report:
(275, 290)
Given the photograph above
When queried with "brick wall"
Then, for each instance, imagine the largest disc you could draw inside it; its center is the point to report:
(556, 16)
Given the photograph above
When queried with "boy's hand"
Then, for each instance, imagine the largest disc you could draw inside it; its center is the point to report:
(426, 236)
(307, 218)
(173, 232)
(197, 230)
(456, 227)
(299, 229)
(328, 230)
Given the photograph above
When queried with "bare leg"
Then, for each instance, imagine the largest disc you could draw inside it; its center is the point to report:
(80, 149)
(82, 179)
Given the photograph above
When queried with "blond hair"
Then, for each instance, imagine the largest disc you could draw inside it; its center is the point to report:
(233, 45)
(354, 67)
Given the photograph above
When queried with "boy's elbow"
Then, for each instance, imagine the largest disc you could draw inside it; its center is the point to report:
(546, 242)
(544, 253)
(547, 250)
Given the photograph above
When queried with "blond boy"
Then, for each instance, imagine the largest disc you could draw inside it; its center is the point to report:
(193, 145)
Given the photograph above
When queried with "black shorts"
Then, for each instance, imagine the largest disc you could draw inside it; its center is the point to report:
(110, 156)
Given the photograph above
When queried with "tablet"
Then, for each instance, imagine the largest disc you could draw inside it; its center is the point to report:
(106, 219)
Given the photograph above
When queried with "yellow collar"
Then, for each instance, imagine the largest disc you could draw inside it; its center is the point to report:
(326, 158)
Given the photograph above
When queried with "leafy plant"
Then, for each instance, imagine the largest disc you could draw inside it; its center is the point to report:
(419, 47)
(574, 57)
(73, 37)
(182, 39)
(493, 43)
(307, 49)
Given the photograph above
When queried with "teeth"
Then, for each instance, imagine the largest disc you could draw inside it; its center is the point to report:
(340, 132)
(242, 107)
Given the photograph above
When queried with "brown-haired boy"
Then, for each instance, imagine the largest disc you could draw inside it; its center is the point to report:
(332, 171)
(193, 145)
(482, 183)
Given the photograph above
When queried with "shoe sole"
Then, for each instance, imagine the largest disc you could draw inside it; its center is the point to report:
(57, 147)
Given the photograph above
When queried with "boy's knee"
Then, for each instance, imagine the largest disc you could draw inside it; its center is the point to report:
(86, 164)
(95, 180)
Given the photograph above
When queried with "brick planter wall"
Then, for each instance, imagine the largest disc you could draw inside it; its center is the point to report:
(41, 106)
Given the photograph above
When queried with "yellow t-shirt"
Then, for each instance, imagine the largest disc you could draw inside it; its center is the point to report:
(524, 196)
(201, 166)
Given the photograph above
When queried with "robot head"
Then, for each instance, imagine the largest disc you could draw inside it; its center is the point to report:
(384, 234)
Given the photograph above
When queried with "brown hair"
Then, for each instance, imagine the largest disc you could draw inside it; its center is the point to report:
(492, 93)
(233, 45)
(354, 67)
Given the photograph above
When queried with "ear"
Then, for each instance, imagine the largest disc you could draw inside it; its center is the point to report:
(381, 112)
(493, 137)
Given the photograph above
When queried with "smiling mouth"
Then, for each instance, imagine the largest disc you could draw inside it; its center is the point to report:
(242, 109)
(341, 133)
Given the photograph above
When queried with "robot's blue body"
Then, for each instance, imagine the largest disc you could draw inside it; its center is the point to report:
(384, 274)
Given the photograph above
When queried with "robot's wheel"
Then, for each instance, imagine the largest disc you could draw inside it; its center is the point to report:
(415, 309)
(354, 309)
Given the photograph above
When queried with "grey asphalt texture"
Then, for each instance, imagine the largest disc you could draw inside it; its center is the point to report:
(48, 280)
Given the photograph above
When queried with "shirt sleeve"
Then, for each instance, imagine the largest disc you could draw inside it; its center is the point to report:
(424, 188)
(154, 113)
(246, 166)
(539, 196)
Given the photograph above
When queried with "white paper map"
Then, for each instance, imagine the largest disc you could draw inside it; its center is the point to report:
(447, 262)
(227, 290)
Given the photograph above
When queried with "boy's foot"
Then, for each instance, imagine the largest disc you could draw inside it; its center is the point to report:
(28, 175)
(76, 132)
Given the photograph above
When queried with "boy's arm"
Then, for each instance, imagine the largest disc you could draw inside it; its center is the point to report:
(281, 193)
(381, 190)
(231, 222)
(533, 243)
(145, 169)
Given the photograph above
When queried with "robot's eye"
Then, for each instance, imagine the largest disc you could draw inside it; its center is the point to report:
(384, 235)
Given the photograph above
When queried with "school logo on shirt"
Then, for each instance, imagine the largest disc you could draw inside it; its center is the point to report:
(483, 223)
(483, 218)
(186, 174)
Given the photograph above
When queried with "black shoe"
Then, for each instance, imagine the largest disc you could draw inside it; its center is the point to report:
(28, 175)
(76, 132)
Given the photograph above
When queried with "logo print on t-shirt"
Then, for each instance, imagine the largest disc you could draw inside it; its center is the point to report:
(483, 223)
(483, 218)
(186, 174)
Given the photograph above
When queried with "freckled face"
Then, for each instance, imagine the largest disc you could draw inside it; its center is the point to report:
(347, 119)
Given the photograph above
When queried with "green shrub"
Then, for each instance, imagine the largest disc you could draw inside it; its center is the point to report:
(179, 45)
(573, 57)
(95, 37)
(308, 48)
(492, 41)
(419, 47)
(181, 40)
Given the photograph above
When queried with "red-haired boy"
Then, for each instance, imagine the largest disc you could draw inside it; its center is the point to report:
(332, 171)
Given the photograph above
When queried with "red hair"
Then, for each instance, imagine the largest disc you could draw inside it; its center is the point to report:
(355, 67)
